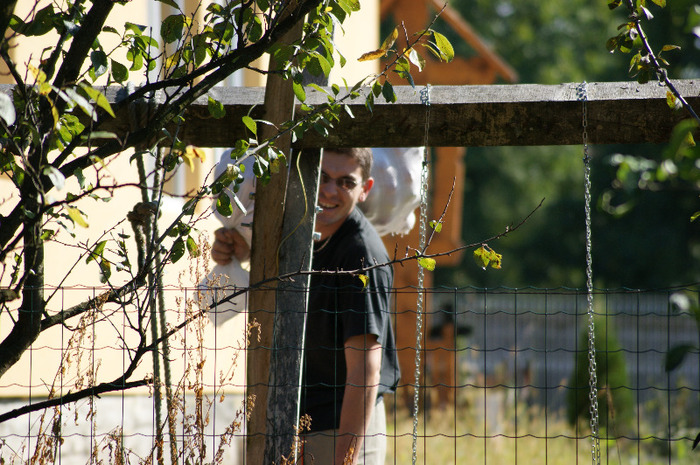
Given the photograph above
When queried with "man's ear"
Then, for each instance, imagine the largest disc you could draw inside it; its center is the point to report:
(366, 187)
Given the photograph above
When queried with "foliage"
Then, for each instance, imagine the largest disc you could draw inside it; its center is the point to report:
(678, 162)
(552, 43)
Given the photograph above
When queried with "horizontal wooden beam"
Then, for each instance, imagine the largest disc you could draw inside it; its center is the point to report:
(460, 116)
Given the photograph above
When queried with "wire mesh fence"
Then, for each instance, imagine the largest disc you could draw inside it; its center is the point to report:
(504, 379)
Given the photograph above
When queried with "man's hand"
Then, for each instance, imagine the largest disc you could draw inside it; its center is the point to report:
(229, 243)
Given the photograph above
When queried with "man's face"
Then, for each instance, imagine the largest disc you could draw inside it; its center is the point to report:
(340, 190)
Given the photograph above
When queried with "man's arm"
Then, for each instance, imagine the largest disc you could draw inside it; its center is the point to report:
(363, 359)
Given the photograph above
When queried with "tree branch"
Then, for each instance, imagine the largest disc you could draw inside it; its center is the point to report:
(120, 384)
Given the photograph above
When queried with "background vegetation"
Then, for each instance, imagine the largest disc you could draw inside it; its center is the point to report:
(642, 235)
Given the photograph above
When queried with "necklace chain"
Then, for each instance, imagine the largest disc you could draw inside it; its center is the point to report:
(325, 243)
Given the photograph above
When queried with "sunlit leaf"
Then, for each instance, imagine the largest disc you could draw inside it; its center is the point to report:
(435, 225)
(373, 55)
(661, 3)
(192, 247)
(216, 108)
(445, 47)
(98, 97)
(299, 91)
(416, 59)
(82, 102)
(485, 256)
(77, 217)
(96, 252)
(56, 177)
(39, 75)
(191, 153)
(250, 124)
(390, 39)
(427, 263)
(364, 278)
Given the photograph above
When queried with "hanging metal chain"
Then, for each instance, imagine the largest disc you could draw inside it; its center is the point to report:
(422, 231)
(582, 94)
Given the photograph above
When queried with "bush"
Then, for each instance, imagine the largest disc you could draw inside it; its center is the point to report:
(615, 403)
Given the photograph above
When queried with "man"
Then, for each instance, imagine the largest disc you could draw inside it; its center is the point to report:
(350, 355)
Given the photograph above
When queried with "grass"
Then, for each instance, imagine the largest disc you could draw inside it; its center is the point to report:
(496, 435)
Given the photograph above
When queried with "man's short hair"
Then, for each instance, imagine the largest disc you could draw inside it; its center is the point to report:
(363, 155)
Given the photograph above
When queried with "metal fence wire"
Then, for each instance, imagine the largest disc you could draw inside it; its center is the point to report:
(504, 380)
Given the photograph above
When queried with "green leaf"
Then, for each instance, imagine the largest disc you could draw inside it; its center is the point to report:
(250, 124)
(96, 252)
(82, 102)
(446, 51)
(349, 5)
(436, 226)
(97, 97)
(376, 89)
(120, 73)
(171, 29)
(388, 92)
(485, 256)
(661, 3)
(170, 3)
(42, 23)
(77, 217)
(192, 247)
(137, 29)
(98, 58)
(216, 108)
(99, 135)
(695, 216)
(614, 4)
(223, 205)
(676, 355)
(177, 251)
(105, 270)
(390, 39)
(299, 91)
(427, 263)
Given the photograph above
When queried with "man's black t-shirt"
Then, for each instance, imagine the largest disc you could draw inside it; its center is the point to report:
(339, 308)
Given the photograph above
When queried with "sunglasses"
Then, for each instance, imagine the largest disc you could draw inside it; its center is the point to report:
(347, 183)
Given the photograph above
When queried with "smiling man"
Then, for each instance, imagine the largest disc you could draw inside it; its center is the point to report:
(350, 360)
(350, 356)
